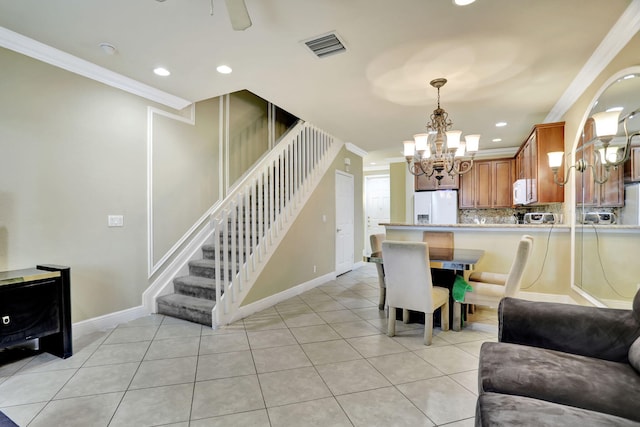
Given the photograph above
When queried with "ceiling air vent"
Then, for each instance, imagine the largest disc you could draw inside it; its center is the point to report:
(325, 45)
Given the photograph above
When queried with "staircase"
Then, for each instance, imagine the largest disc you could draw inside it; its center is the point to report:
(248, 226)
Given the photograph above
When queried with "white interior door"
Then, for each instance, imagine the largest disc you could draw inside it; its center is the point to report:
(377, 206)
(344, 222)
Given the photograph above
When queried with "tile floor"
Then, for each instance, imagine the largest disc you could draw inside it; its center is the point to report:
(319, 359)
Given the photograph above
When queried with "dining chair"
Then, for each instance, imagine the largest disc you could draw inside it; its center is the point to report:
(489, 288)
(376, 246)
(409, 285)
(438, 239)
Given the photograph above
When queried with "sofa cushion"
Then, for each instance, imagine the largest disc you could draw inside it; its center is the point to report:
(498, 410)
(579, 381)
(634, 355)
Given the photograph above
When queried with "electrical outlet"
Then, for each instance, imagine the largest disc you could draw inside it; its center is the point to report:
(315, 268)
(115, 220)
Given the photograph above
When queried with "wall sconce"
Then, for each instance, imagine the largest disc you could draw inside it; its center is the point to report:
(606, 124)
(347, 163)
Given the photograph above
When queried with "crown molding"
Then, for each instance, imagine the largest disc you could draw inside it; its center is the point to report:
(355, 149)
(623, 30)
(42, 52)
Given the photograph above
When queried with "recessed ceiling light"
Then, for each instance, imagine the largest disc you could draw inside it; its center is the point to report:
(496, 140)
(224, 69)
(501, 124)
(463, 2)
(108, 48)
(163, 72)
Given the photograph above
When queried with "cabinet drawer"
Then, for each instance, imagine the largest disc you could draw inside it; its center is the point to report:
(30, 311)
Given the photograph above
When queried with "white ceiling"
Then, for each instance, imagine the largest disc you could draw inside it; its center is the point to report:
(506, 60)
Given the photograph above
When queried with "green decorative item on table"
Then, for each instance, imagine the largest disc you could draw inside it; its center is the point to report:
(460, 287)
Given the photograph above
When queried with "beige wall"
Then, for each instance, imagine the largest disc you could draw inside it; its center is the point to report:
(72, 152)
(399, 196)
(310, 241)
(185, 173)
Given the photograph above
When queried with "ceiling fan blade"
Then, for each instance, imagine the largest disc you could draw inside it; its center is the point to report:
(238, 14)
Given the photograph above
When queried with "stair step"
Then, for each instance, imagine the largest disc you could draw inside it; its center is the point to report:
(195, 286)
(207, 268)
(197, 310)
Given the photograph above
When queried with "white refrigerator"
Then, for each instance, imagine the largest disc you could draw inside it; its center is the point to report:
(630, 213)
(435, 207)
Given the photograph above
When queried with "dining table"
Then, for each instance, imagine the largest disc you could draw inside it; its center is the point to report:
(456, 261)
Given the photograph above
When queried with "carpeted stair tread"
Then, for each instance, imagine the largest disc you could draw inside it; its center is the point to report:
(196, 286)
(185, 307)
(203, 282)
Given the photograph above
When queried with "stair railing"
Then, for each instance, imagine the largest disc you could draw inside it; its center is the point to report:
(256, 214)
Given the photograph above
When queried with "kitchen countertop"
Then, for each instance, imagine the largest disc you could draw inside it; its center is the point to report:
(532, 227)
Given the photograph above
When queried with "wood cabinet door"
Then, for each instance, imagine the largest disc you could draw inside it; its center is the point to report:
(531, 168)
(423, 182)
(483, 184)
(611, 193)
(502, 183)
(632, 166)
(449, 182)
(589, 190)
(466, 194)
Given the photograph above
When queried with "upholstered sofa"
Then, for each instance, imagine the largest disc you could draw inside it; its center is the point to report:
(561, 365)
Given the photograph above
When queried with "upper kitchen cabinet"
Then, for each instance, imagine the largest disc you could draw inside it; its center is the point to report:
(632, 166)
(488, 185)
(425, 183)
(532, 166)
(588, 193)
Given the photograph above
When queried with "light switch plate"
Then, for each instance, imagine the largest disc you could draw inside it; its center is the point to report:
(115, 220)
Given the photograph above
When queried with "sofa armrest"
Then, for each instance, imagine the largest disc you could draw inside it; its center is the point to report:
(604, 333)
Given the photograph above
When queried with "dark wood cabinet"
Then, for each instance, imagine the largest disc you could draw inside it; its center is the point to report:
(488, 185)
(35, 303)
(425, 183)
(532, 165)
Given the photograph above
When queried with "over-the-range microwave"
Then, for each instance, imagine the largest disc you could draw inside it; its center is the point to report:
(520, 192)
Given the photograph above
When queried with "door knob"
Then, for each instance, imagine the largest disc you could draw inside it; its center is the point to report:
(338, 230)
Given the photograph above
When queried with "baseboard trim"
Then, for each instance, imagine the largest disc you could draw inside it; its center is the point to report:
(270, 301)
(107, 321)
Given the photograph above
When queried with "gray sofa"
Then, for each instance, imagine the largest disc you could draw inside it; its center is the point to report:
(561, 365)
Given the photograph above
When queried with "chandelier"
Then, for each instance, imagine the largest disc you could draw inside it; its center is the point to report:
(428, 154)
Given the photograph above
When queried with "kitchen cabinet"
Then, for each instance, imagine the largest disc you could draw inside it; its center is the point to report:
(488, 185)
(608, 194)
(632, 166)
(532, 165)
(425, 183)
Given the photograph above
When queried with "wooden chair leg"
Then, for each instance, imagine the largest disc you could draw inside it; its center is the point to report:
(444, 316)
(391, 328)
(383, 297)
(457, 314)
(428, 328)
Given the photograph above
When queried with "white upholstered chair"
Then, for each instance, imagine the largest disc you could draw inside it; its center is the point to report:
(489, 288)
(376, 246)
(409, 285)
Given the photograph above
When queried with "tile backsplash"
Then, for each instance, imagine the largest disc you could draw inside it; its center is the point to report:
(504, 215)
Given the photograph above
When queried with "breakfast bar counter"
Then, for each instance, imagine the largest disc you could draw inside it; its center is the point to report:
(549, 269)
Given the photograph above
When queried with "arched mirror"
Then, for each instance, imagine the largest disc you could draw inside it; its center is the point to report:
(607, 233)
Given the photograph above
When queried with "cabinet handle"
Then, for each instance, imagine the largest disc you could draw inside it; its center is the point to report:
(6, 320)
